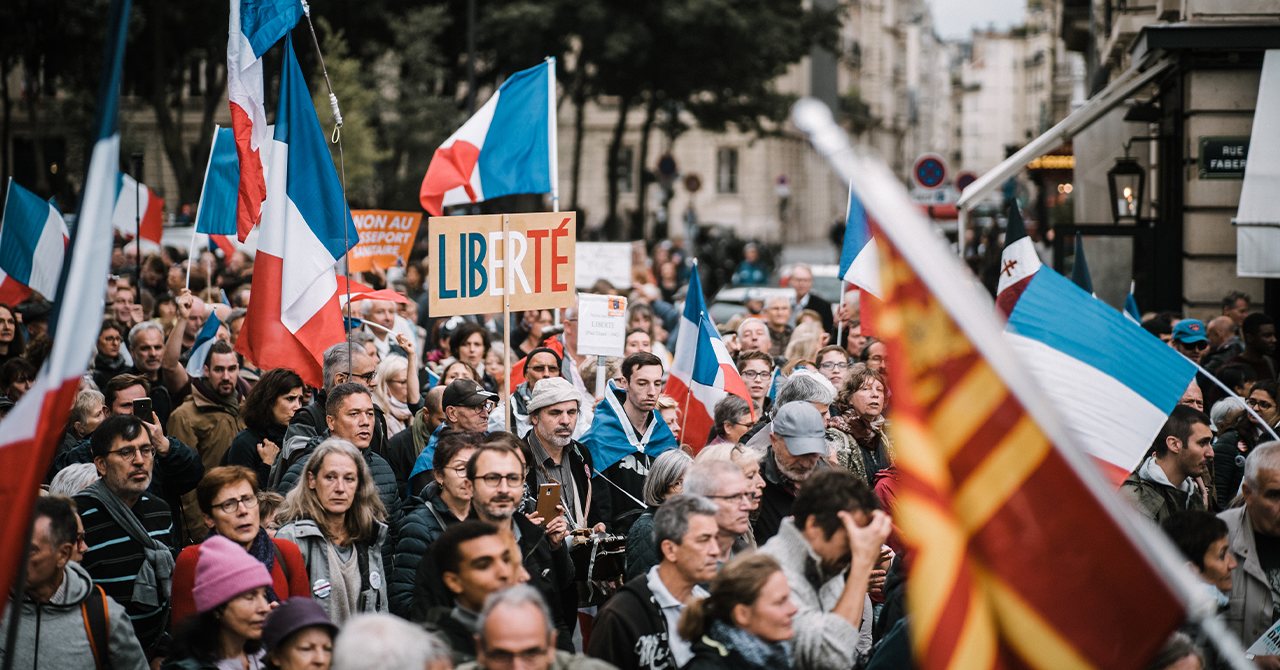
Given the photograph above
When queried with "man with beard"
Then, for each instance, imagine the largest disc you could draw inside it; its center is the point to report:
(209, 420)
(557, 457)
(797, 449)
(541, 363)
(146, 343)
(1165, 482)
(496, 474)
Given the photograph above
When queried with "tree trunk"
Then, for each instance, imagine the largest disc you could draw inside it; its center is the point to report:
(612, 223)
(34, 95)
(641, 221)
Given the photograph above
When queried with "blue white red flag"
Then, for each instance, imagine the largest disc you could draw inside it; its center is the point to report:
(255, 25)
(612, 438)
(293, 313)
(506, 148)
(138, 212)
(859, 259)
(1131, 306)
(33, 241)
(204, 342)
(1113, 383)
(702, 373)
(30, 433)
(216, 211)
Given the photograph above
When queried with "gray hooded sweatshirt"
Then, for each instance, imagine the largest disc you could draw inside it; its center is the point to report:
(52, 635)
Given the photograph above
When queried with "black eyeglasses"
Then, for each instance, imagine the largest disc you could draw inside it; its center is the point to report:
(367, 377)
(1259, 404)
(127, 453)
(494, 479)
(230, 506)
(545, 368)
(834, 365)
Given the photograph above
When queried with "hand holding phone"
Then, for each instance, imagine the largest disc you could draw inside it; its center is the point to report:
(548, 501)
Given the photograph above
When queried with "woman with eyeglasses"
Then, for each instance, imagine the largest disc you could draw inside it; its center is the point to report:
(338, 521)
(395, 390)
(861, 445)
(833, 363)
(1237, 437)
(732, 419)
(228, 500)
(109, 360)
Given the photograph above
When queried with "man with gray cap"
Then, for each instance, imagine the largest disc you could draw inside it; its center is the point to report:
(557, 457)
(797, 449)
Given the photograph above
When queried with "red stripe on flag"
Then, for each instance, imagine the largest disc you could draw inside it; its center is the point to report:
(449, 168)
(151, 227)
(266, 341)
(253, 185)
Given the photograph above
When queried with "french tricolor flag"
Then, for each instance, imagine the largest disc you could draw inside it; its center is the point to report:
(1112, 382)
(216, 212)
(508, 147)
(204, 342)
(293, 312)
(859, 258)
(255, 25)
(29, 435)
(1019, 262)
(138, 211)
(33, 241)
(703, 372)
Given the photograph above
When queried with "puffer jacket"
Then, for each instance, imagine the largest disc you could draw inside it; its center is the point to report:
(315, 554)
(425, 517)
(52, 635)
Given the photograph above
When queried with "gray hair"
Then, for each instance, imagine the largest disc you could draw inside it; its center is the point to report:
(728, 410)
(805, 386)
(703, 479)
(749, 321)
(337, 360)
(86, 400)
(666, 470)
(73, 479)
(520, 594)
(139, 329)
(1265, 456)
(387, 642)
(672, 519)
(1223, 409)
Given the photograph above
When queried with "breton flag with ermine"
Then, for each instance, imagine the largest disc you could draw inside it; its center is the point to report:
(29, 435)
(702, 372)
(1021, 555)
(254, 26)
(1112, 382)
(293, 310)
(504, 149)
(33, 241)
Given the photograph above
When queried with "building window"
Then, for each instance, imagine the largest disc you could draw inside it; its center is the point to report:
(726, 170)
(626, 169)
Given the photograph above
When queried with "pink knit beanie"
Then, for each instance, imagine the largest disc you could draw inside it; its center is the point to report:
(224, 570)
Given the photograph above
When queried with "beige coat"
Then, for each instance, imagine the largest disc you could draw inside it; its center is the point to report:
(1250, 612)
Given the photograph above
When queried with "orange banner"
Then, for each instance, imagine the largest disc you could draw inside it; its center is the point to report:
(386, 238)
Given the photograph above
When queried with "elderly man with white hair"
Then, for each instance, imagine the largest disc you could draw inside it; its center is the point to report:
(1253, 534)
(777, 314)
(388, 642)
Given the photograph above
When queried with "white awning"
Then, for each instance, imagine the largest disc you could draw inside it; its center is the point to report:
(1115, 93)
(1258, 217)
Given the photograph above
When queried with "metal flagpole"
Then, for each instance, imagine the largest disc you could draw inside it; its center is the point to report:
(508, 276)
(553, 138)
(684, 411)
(137, 218)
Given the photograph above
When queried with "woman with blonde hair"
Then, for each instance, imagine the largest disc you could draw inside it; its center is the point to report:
(805, 341)
(336, 518)
(395, 390)
(746, 621)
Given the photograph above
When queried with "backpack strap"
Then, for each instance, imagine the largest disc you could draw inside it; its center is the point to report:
(97, 625)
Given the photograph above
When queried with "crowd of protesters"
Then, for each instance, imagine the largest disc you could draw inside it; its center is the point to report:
(220, 513)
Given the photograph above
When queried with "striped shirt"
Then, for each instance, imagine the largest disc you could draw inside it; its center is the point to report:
(113, 559)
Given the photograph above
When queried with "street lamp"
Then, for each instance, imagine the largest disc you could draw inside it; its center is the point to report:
(1126, 181)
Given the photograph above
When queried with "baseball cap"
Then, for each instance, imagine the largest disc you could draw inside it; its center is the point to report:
(801, 426)
(292, 616)
(1189, 331)
(465, 393)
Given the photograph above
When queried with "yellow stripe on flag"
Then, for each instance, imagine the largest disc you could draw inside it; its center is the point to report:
(936, 565)
(976, 647)
(1001, 473)
(1036, 640)
(965, 408)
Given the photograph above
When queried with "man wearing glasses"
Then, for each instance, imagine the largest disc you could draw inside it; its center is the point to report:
(344, 362)
(128, 530)
(497, 484)
(515, 630)
(723, 483)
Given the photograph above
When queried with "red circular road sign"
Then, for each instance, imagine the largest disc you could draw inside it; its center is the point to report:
(929, 171)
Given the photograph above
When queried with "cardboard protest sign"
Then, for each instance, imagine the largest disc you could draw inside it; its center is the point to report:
(386, 237)
(602, 324)
(469, 269)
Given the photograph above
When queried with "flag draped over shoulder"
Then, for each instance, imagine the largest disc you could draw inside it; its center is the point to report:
(703, 372)
(293, 312)
(33, 240)
(1020, 557)
(504, 149)
(613, 438)
(29, 434)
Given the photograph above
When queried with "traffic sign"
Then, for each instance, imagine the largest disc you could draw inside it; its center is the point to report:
(964, 179)
(930, 171)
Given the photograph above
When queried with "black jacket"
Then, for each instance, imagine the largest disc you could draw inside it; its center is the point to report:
(630, 631)
(823, 308)
(244, 451)
(462, 643)
(174, 474)
(312, 416)
(425, 517)
(711, 654)
(775, 501)
(401, 454)
(616, 509)
(580, 463)
(551, 572)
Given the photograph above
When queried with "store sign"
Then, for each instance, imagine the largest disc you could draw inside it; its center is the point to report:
(1223, 157)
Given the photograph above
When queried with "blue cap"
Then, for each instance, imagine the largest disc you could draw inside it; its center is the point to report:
(1189, 331)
